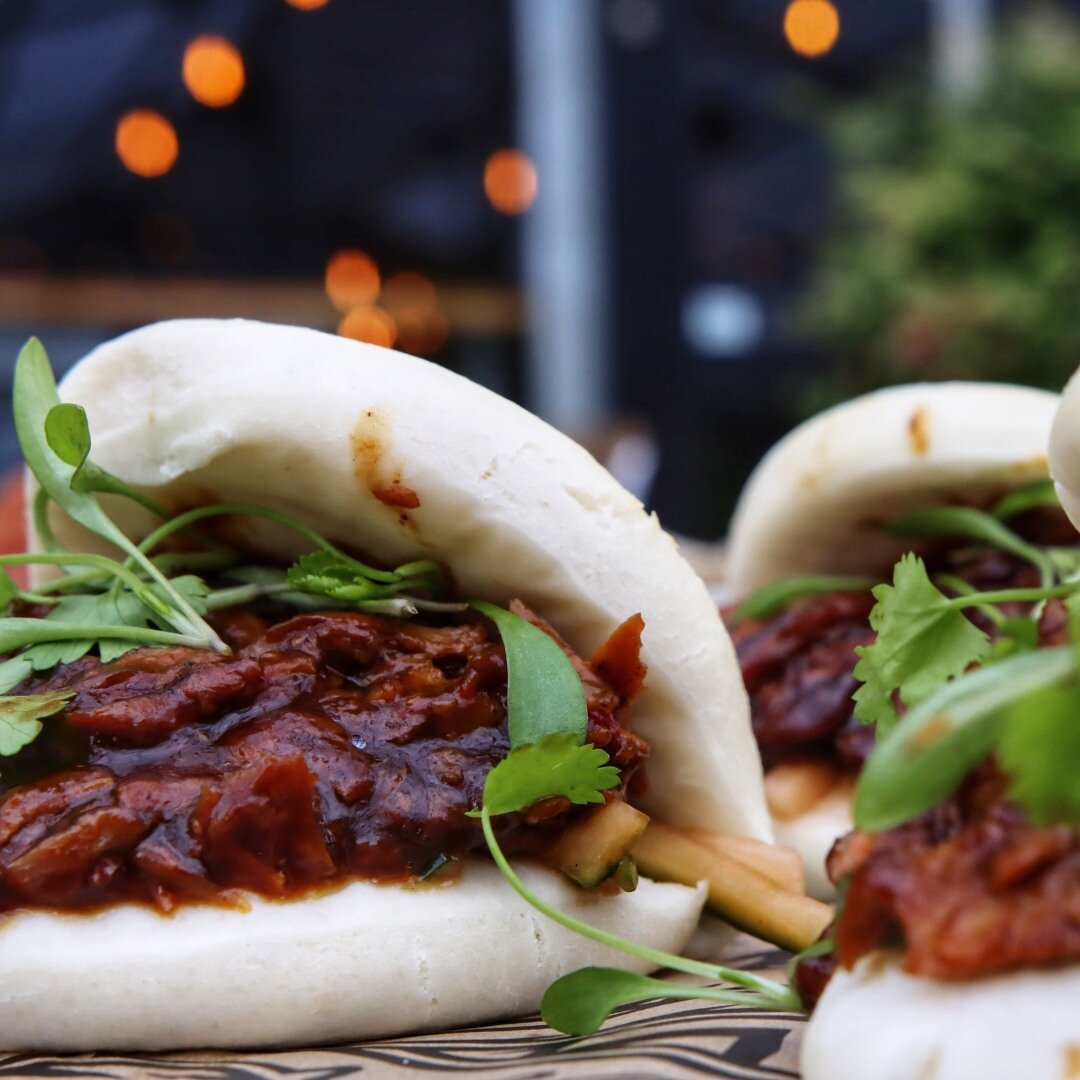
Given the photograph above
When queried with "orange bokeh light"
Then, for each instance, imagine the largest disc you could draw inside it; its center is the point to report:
(421, 331)
(352, 280)
(307, 5)
(369, 324)
(510, 181)
(408, 289)
(213, 71)
(811, 26)
(146, 142)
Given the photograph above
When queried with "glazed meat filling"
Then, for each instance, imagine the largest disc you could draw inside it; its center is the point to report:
(969, 889)
(327, 747)
(798, 664)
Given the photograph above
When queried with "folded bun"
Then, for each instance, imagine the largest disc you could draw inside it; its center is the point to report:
(1065, 450)
(400, 459)
(813, 833)
(878, 1023)
(368, 960)
(201, 411)
(817, 500)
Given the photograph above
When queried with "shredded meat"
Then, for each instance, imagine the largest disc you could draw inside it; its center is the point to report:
(326, 747)
(968, 889)
(797, 664)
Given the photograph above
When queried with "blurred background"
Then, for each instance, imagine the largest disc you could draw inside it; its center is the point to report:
(671, 227)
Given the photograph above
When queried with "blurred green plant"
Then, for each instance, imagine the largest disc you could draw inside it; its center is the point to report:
(957, 249)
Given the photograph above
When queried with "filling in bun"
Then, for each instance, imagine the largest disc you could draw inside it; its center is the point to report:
(968, 889)
(325, 747)
(798, 662)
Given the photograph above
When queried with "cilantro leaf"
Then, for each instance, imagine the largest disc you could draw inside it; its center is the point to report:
(926, 756)
(1040, 750)
(13, 671)
(20, 717)
(922, 642)
(557, 765)
(544, 695)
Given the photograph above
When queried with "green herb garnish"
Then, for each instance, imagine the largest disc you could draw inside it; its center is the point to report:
(937, 743)
(770, 599)
(544, 695)
(559, 766)
(971, 524)
(923, 640)
(1041, 493)
(20, 717)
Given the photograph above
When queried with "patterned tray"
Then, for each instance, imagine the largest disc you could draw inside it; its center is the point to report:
(648, 1040)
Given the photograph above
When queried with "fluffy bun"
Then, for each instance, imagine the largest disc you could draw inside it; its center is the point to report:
(817, 500)
(1065, 450)
(401, 459)
(366, 961)
(813, 833)
(877, 1023)
(201, 411)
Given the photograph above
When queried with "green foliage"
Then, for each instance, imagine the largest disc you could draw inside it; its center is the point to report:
(957, 249)
(923, 640)
(1040, 749)
(557, 765)
(544, 695)
(21, 716)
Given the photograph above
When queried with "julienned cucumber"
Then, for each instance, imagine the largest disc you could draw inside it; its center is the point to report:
(591, 851)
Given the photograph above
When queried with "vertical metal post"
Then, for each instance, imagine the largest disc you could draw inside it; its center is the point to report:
(961, 46)
(563, 266)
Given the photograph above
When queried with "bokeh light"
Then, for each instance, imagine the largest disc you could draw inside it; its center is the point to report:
(811, 26)
(510, 181)
(421, 331)
(146, 142)
(213, 71)
(406, 289)
(369, 324)
(352, 280)
(307, 5)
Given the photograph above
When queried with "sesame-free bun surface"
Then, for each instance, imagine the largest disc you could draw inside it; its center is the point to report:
(813, 833)
(878, 1023)
(320, 427)
(818, 499)
(204, 411)
(366, 961)
(1065, 450)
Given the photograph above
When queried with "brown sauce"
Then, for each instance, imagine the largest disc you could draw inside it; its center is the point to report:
(798, 664)
(327, 747)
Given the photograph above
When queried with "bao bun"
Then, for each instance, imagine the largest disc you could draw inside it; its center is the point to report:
(817, 501)
(1065, 450)
(321, 427)
(877, 1023)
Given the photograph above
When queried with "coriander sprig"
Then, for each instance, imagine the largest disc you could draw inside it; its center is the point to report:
(578, 1004)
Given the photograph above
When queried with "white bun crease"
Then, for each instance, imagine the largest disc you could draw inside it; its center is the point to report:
(817, 501)
(205, 411)
(877, 1023)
